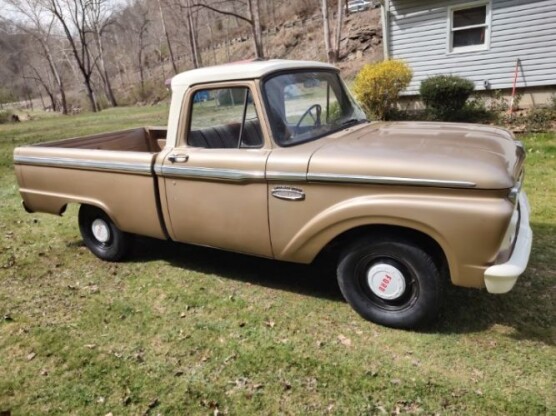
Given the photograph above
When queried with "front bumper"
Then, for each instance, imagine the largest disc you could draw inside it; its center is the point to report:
(501, 278)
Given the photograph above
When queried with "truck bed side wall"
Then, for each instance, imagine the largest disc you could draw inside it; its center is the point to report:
(133, 140)
(119, 182)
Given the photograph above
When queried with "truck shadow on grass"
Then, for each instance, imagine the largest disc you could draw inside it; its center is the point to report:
(527, 312)
(317, 280)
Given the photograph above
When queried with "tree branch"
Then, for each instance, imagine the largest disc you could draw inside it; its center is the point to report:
(226, 13)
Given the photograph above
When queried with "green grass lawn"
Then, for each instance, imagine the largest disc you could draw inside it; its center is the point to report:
(184, 330)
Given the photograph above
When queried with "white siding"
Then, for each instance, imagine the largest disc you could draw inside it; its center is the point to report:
(524, 29)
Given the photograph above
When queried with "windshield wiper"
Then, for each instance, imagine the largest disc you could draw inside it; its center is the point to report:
(350, 122)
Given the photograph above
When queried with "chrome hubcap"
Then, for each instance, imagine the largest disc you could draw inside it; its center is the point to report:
(101, 230)
(386, 281)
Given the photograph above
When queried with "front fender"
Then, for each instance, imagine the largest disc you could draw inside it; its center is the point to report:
(468, 230)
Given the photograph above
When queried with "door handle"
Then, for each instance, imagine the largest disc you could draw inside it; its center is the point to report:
(180, 158)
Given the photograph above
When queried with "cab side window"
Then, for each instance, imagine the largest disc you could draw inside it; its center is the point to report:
(224, 118)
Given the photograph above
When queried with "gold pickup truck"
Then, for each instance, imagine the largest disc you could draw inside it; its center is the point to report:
(275, 159)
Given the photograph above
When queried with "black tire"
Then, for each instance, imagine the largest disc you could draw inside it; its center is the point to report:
(417, 289)
(112, 245)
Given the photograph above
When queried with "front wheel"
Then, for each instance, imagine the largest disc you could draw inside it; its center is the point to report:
(101, 235)
(391, 282)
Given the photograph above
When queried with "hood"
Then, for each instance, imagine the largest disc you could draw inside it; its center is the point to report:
(422, 153)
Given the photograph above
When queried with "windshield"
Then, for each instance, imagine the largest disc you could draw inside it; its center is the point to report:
(306, 105)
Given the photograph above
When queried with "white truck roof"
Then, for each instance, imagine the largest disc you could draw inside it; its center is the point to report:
(241, 70)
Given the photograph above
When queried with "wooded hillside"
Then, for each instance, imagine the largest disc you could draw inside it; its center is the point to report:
(90, 54)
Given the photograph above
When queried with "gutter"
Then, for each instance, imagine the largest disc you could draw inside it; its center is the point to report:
(385, 18)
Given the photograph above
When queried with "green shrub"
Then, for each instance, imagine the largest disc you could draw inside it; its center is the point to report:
(445, 95)
(378, 86)
(475, 111)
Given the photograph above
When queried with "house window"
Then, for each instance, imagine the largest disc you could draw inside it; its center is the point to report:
(469, 27)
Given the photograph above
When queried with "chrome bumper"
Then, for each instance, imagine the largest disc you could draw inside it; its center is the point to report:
(501, 278)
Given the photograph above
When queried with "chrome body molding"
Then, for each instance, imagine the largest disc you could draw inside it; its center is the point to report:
(68, 163)
(387, 180)
(288, 193)
(286, 176)
(377, 180)
(233, 175)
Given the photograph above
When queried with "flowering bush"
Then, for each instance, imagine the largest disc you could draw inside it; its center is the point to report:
(377, 86)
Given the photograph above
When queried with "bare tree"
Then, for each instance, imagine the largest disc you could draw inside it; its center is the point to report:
(256, 27)
(97, 18)
(338, 32)
(167, 36)
(332, 48)
(71, 14)
(326, 27)
(138, 24)
(41, 30)
(46, 85)
(192, 29)
(189, 21)
(252, 18)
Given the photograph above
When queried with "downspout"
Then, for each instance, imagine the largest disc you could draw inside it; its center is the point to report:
(385, 17)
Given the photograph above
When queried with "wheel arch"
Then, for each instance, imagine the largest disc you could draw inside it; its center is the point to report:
(424, 240)
(330, 242)
(92, 203)
(98, 204)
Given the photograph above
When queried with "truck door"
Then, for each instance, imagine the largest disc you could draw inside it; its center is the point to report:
(216, 192)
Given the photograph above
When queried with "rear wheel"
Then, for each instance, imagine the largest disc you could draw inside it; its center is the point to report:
(390, 281)
(101, 235)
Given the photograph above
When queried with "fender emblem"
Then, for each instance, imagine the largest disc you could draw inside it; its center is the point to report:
(288, 193)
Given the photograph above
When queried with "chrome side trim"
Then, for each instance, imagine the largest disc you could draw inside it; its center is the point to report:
(378, 180)
(286, 176)
(233, 175)
(133, 168)
(387, 180)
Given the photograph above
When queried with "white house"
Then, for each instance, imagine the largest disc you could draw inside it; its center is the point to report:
(479, 40)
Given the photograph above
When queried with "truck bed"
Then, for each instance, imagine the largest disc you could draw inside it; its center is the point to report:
(147, 139)
(112, 171)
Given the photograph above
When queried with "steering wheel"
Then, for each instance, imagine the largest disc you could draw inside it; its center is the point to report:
(308, 112)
